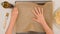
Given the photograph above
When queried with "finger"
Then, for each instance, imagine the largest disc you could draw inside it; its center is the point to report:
(42, 10)
(39, 10)
(36, 10)
(34, 13)
(15, 11)
(34, 19)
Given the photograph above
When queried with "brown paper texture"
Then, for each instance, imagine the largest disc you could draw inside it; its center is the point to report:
(24, 21)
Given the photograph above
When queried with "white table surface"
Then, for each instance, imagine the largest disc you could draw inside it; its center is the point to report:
(4, 11)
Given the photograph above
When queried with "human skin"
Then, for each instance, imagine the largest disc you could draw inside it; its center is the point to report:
(12, 21)
(40, 19)
(38, 12)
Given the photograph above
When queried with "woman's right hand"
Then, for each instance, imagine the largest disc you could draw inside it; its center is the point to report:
(39, 15)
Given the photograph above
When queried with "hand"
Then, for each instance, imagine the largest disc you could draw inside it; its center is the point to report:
(15, 11)
(38, 12)
(14, 15)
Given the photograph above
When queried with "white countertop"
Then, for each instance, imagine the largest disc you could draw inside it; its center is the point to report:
(4, 11)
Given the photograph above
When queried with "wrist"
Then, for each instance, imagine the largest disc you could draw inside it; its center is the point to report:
(43, 23)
